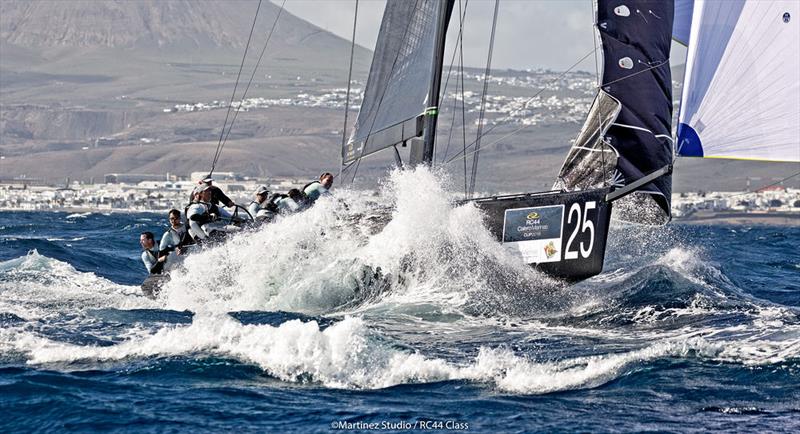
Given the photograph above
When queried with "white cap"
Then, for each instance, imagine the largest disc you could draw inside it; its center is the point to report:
(201, 188)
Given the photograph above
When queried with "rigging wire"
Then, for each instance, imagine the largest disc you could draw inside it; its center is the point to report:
(244, 94)
(759, 189)
(235, 86)
(452, 124)
(463, 114)
(595, 34)
(545, 88)
(525, 105)
(347, 98)
(483, 100)
(447, 80)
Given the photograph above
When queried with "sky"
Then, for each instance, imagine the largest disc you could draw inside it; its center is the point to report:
(530, 34)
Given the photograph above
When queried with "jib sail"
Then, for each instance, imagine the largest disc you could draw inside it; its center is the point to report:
(399, 78)
(628, 132)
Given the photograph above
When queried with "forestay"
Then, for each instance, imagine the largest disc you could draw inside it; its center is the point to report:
(741, 95)
(399, 79)
(628, 132)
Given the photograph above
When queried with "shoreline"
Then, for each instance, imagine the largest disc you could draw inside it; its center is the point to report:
(741, 218)
(81, 210)
(704, 218)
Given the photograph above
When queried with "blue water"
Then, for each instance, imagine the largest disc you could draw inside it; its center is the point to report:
(690, 328)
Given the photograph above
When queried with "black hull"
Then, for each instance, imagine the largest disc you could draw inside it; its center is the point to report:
(561, 234)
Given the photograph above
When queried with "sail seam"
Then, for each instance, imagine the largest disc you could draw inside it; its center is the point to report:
(616, 124)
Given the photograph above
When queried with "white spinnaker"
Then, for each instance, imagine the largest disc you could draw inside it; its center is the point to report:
(741, 93)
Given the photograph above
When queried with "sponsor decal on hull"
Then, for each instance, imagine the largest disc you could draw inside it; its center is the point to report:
(534, 233)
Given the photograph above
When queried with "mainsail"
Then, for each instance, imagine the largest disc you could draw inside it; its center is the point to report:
(741, 95)
(619, 145)
(396, 93)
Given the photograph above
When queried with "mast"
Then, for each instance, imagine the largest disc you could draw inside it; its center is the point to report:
(432, 109)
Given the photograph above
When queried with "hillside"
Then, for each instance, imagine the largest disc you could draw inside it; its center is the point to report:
(99, 75)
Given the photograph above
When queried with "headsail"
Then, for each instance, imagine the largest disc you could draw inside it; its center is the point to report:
(399, 78)
(635, 38)
(741, 95)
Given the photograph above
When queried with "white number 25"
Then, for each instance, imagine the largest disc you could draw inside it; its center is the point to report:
(583, 227)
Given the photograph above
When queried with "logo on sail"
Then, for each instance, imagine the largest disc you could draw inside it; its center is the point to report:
(786, 17)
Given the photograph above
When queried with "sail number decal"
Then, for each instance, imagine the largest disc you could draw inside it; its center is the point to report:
(582, 225)
(534, 233)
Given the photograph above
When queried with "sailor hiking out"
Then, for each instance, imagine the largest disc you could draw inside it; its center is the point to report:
(205, 219)
(259, 208)
(217, 195)
(174, 239)
(293, 201)
(153, 261)
(316, 189)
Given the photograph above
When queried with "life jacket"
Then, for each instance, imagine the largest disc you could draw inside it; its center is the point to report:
(272, 203)
(184, 238)
(158, 267)
(203, 218)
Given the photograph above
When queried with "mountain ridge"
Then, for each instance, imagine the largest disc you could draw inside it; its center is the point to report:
(176, 24)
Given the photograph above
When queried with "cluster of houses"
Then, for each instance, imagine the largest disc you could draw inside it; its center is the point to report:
(775, 199)
(142, 192)
(567, 98)
(129, 192)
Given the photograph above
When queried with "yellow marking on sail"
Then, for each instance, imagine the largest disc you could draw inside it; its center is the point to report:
(751, 159)
(719, 157)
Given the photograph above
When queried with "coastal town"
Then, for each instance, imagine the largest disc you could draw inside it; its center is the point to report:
(565, 97)
(141, 193)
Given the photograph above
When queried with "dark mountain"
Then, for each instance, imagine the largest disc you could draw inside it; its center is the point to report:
(149, 24)
(73, 72)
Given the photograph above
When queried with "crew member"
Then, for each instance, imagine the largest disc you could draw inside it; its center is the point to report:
(315, 189)
(174, 238)
(217, 196)
(294, 201)
(258, 208)
(201, 215)
(150, 257)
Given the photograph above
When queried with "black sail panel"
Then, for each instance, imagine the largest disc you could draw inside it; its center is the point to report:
(635, 37)
(397, 86)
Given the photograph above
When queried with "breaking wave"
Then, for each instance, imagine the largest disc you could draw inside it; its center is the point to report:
(349, 354)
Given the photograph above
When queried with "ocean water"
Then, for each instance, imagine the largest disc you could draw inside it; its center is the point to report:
(326, 322)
